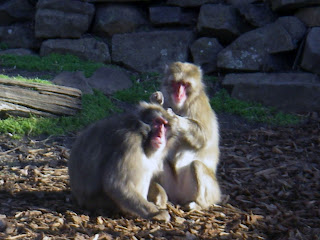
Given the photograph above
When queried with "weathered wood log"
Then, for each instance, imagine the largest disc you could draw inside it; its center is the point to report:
(21, 98)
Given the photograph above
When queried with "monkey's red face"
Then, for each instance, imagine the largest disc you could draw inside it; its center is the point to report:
(179, 92)
(159, 129)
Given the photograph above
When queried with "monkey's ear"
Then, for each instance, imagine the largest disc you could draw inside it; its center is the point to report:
(144, 128)
(143, 111)
(166, 69)
(166, 66)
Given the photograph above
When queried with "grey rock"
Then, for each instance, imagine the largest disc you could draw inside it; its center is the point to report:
(117, 18)
(255, 50)
(112, 1)
(85, 48)
(110, 79)
(150, 51)
(74, 80)
(188, 16)
(257, 15)
(18, 52)
(239, 2)
(219, 21)
(204, 52)
(310, 16)
(295, 92)
(19, 36)
(287, 5)
(15, 10)
(60, 18)
(250, 52)
(311, 54)
(191, 3)
(164, 15)
(294, 27)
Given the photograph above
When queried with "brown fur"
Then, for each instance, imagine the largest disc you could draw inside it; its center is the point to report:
(195, 157)
(112, 163)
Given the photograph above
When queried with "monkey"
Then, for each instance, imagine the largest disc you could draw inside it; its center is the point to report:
(112, 163)
(189, 175)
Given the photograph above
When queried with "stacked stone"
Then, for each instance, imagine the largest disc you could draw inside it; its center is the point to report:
(221, 36)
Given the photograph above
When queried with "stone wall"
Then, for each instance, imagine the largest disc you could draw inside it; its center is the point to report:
(222, 36)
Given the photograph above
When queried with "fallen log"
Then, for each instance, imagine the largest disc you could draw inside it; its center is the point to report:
(20, 98)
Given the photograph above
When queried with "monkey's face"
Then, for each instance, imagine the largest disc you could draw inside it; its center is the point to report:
(183, 80)
(179, 92)
(159, 129)
(159, 121)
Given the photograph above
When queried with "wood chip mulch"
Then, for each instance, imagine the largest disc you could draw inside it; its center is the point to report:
(270, 178)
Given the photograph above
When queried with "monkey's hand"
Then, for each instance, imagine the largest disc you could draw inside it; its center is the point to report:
(157, 195)
(170, 112)
(190, 131)
(182, 123)
(162, 216)
(157, 97)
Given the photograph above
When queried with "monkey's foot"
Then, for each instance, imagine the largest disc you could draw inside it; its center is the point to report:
(162, 216)
(193, 206)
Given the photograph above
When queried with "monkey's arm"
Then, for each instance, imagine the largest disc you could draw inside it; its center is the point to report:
(157, 195)
(131, 201)
(191, 132)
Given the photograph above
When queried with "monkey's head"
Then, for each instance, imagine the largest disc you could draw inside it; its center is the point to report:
(160, 122)
(182, 82)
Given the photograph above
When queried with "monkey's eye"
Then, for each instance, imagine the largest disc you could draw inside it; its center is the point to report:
(186, 84)
(160, 121)
(176, 85)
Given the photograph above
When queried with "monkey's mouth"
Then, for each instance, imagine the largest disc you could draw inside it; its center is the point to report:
(179, 92)
(179, 98)
(157, 141)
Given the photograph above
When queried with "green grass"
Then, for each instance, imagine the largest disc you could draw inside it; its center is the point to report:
(141, 90)
(95, 106)
(255, 112)
(31, 80)
(3, 46)
(53, 62)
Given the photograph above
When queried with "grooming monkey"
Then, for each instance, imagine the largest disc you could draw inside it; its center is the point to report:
(189, 176)
(113, 162)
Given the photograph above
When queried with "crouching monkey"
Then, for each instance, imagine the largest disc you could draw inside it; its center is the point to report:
(113, 162)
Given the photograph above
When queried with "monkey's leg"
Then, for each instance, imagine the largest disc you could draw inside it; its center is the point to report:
(133, 202)
(157, 195)
(208, 190)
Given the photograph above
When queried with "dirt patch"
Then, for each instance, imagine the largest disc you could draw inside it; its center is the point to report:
(270, 178)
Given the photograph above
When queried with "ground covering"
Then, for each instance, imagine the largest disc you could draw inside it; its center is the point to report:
(270, 177)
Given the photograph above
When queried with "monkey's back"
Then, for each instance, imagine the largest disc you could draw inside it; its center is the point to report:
(98, 152)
